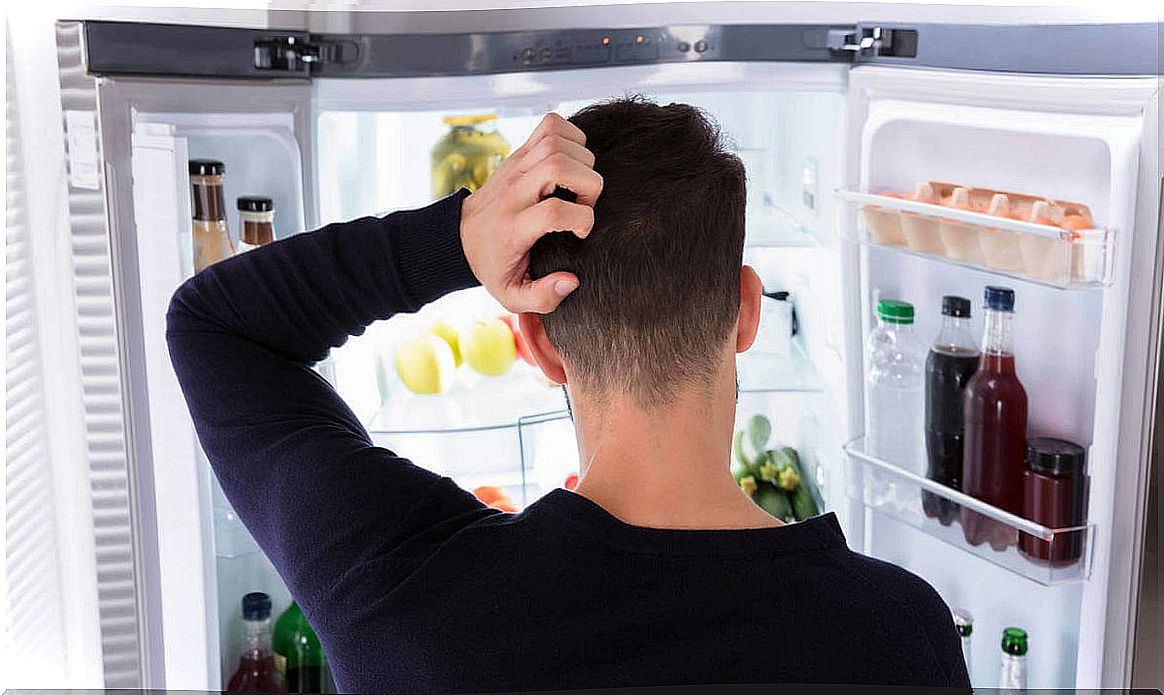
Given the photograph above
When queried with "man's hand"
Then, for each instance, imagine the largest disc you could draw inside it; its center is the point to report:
(503, 219)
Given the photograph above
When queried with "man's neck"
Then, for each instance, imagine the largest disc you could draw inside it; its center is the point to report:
(665, 467)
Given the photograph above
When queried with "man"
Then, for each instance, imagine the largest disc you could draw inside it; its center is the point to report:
(658, 570)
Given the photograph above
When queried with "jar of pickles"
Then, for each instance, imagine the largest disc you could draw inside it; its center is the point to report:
(467, 155)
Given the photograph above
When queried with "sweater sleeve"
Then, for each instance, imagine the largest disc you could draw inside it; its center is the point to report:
(292, 458)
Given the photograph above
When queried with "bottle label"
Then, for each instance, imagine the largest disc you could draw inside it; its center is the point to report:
(281, 664)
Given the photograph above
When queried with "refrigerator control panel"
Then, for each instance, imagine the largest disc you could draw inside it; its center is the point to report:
(586, 48)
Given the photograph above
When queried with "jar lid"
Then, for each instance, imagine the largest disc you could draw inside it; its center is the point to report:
(999, 298)
(1057, 457)
(256, 606)
(207, 167)
(469, 120)
(255, 203)
(895, 311)
(958, 307)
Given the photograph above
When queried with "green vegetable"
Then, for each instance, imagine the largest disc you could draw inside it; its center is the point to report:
(768, 472)
(803, 505)
(759, 429)
(787, 478)
(740, 463)
(748, 484)
(774, 501)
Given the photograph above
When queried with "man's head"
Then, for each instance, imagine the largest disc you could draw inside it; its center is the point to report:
(659, 302)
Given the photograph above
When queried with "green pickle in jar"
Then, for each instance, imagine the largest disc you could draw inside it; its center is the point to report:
(467, 155)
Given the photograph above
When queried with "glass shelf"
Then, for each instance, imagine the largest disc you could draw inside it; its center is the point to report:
(1043, 254)
(774, 227)
(475, 404)
(761, 372)
(890, 489)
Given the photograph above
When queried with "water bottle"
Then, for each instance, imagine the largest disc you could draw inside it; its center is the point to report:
(895, 405)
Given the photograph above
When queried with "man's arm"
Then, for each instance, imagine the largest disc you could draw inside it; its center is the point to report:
(292, 458)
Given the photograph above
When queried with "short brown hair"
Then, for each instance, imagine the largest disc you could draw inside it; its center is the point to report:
(660, 271)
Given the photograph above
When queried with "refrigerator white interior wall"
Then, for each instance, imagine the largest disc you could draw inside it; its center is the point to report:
(161, 203)
(1057, 137)
(201, 592)
(785, 122)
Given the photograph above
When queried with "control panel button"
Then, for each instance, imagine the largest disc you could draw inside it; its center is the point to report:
(700, 46)
(683, 46)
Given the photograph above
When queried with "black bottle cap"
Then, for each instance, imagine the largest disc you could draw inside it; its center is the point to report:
(1057, 457)
(999, 298)
(256, 606)
(255, 203)
(206, 167)
(958, 307)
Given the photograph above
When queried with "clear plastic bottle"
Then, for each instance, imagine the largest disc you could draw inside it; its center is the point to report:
(895, 406)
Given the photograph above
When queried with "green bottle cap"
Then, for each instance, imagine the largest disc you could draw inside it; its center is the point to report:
(895, 311)
(1014, 641)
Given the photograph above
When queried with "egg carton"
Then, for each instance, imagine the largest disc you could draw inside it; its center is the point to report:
(1044, 239)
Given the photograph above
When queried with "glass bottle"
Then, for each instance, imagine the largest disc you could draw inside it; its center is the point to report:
(257, 215)
(995, 407)
(211, 235)
(298, 653)
(467, 155)
(1013, 674)
(256, 667)
(953, 359)
(893, 418)
(964, 623)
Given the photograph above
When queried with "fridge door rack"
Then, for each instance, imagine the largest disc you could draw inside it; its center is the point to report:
(866, 472)
(1043, 254)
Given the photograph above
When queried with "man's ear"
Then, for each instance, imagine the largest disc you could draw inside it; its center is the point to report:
(751, 292)
(539, 346)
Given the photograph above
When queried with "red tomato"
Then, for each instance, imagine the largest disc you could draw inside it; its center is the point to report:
(518, 339)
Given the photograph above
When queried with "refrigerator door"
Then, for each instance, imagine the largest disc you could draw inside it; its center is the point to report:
(148, 132)
(1085, 356)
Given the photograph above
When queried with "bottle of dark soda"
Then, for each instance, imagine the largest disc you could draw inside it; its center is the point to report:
(953, 359)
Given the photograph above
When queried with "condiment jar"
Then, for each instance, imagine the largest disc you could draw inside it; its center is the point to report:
(1054, 483)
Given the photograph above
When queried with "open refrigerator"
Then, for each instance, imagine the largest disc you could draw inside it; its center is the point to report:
(334, 125)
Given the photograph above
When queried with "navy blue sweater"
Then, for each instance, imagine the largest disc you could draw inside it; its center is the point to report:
(415, 587)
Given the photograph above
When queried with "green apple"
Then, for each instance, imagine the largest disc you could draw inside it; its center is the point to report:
(425, 364)
(488, 347)
(449, 335)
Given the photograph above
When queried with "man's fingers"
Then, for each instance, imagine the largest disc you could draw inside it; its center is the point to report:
(551, 124)
(554, 215)
(555, 144)
(543, 295)
(559, 169)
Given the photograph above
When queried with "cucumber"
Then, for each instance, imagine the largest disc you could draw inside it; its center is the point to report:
(806, 498)
(774, 501)
(803, 505)
(740, 466)
(759, 429)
